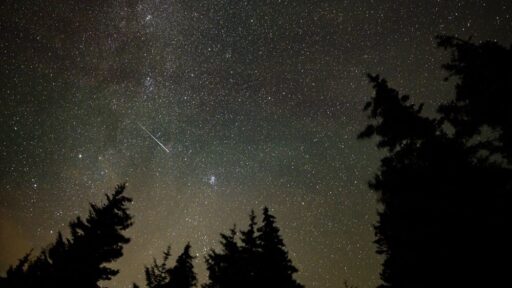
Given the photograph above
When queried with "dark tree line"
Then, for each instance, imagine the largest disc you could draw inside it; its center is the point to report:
(81, 259)
(445, 183)
(255, 257)
(182, 275)
(258, 258)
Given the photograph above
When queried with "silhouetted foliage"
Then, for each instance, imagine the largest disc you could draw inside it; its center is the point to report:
(444, 183)
(224, 269)
(276, 269)
(482, 100)
(260, 260)
(250, 253)
(182, 275)
(157, 275)
(79, 261)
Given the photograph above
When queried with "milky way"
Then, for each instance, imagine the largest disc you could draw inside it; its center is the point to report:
(258, 103)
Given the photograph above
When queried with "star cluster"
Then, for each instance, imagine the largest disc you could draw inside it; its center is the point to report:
(256, 103)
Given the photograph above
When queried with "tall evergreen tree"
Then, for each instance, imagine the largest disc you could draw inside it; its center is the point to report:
(224, 266)
(157, 275)
(182, 275)
(442, 192)
(99, 239)
(80, 261)
(248, 237)
(276, 268)
(250, 254)
(261, 260)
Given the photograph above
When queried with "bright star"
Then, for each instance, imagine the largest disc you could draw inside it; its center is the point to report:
(212, 180)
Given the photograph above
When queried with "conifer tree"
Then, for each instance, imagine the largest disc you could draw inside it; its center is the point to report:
(79, 261)
(157, 275)
(248, 236)
(224, 266)
(250, 253)
(261, 260)
(182, 275)
(276, 268)
(444, 182)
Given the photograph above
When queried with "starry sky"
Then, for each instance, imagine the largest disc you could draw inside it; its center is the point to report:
(209, 109)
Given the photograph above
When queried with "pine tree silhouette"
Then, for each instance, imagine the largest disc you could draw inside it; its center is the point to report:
(261, 260)
(443, 183)
(79, 261)
(276, 268)
(157, 275)
(249, 239)
(224, 267)
(250, 256)
(182, 275)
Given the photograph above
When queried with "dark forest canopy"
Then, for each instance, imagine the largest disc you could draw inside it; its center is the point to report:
(258, 258)
(79, 261)
(446, 182)
(182, 275)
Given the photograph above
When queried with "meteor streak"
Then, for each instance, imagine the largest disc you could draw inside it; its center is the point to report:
(154, 138)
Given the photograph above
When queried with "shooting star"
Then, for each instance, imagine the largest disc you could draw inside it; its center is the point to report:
(154, 138)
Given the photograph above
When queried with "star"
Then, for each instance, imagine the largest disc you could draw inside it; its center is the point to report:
(260, 98)
(212, 180)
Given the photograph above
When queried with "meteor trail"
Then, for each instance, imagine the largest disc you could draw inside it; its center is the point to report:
(154, 138)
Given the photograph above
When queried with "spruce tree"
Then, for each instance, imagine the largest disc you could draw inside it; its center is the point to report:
(99, 240)
(248, 236)
(444, 181)
(157, 275)
(250, 254)
(182, 275)
(260, 260)
(224, 267)
(276, 268)
(79, 261)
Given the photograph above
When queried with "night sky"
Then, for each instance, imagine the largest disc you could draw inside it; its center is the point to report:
(257, 103)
